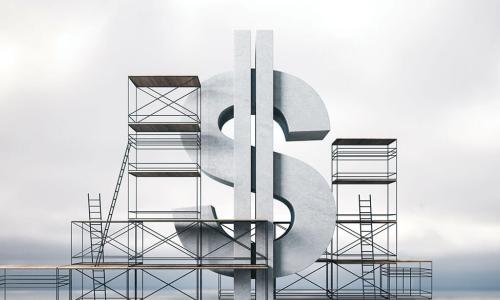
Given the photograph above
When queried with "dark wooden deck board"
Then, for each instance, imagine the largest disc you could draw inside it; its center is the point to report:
(165, 127)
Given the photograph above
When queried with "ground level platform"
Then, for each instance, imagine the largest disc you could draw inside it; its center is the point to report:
(117, 266)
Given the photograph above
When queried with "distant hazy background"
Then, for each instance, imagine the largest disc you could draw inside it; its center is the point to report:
(425, 72)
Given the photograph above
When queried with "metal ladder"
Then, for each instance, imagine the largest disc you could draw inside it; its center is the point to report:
(95, 218)
(367, 252)
(113, 203)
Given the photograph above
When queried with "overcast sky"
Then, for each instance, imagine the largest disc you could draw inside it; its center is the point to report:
(425, 72)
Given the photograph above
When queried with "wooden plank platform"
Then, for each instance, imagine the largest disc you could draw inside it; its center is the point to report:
(165, 173)
(173, 220)
(373, 261)
(165, 127)
(366, 222)
(165, 81)
(117, 266)
(168, 266)
(29, 266)
(363, 142)
(364, 181)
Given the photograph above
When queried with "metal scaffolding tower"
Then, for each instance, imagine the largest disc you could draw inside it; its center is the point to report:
(160, 245)
(164, 134)
(364, 180)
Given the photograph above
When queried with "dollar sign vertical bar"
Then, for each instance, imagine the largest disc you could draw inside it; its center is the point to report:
(242, 98)
(264, 283)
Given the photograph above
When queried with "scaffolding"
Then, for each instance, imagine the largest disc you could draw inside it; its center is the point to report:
(362, 261)
(164, 136)
(159, 243)
(140, 250)
(164, 244)
(364, 251)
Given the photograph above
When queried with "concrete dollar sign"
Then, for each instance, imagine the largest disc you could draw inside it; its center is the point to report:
(302, 116)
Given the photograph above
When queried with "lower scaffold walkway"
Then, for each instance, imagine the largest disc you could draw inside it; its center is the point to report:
(124, 281)
(112, 266)
(142, 259)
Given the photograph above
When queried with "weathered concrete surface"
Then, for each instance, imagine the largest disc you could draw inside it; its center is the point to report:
(264, 280)
(242, 160)
(302, 116)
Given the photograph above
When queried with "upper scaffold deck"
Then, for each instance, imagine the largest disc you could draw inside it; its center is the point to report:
(172, 115)
(363, 142)
(165, 81)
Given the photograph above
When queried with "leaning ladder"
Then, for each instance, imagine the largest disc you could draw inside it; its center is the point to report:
(367, 252)
(113, 203)
(95, 222)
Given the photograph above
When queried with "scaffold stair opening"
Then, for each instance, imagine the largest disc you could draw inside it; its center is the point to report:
(113, 203)
(367, 252)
